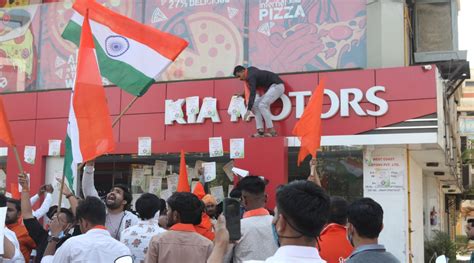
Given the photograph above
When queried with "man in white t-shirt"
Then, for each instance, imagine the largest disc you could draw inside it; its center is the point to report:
(117, 201)
(95, 244)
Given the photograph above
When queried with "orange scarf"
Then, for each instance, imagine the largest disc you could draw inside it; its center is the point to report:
(183, 227)
(256, 212)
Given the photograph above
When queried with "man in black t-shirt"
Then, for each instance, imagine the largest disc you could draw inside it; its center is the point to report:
(273, 88)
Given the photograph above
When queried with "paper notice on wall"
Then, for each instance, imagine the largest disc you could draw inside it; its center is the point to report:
(173, 182)
(3, 215)
(54, 148)
(215, 147)
(155, 185)
(159, 169)
(144, 146)
(218, 193)
(3, 151)
(138, 180)
(165, 194)
(30, 154)
(384, 171)
(197, 167)
(209, 171)
(240, 172)
(229, 189)
(3, 179)
(192, 108)
(237, 148)
(228, 170)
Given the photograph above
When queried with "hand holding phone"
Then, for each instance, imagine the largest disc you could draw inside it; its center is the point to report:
(232, 218)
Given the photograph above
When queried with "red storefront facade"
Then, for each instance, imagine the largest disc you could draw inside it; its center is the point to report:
(408, 93)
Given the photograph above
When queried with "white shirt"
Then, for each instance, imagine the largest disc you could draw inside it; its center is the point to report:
(294, 254)
(137, 238)
(40, 212)
(115, 227)
(17, 257)
(94, 246)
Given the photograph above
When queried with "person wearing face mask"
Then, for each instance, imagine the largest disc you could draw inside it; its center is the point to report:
(42, 238)
(95, 243)
(256, 225)
(301, 212)
(117, 201)
(365, 218)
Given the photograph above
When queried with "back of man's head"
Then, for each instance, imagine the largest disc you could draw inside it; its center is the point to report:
(147, 206)
(252, 184)
(92, 210)
(338, 211)
(366, 216)
(238, 69)
(188, 207)
(305, 206)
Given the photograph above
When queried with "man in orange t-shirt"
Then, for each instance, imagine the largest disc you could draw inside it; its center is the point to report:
(334, 246)
(13, 223)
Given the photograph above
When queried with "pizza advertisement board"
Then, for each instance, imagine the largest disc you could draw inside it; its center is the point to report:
(283, 36)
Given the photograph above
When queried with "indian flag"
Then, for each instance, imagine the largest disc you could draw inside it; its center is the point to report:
(89, 130)
(131, 55)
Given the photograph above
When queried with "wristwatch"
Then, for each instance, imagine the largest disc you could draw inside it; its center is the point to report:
(53, 238)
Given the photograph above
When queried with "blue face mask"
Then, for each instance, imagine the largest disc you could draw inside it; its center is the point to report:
(60, 235)
(275, 235)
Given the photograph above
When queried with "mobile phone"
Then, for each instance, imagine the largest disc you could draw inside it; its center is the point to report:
(232, 218)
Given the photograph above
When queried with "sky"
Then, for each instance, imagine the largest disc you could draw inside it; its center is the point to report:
(466, 31)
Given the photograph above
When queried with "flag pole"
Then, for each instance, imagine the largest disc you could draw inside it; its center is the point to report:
(18, 161)
(125, 110)
(60, 200)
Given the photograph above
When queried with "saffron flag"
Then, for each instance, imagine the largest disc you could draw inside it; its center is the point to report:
(5, 131)
(308, 128)
(199, 191)
(183, 183)
(131, 55)
(89, 130)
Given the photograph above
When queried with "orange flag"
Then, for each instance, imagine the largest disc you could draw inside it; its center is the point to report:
(5, 131)
(199, 191)
(183, 184)
(308, 128)
(15, 191)
(90, 127)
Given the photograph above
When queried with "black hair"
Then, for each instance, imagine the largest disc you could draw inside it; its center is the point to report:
(162, 206)
(127, 195)
(16, 202)
(338, 211)
(188, 206)
(235, 193)
(366, 216)
(470, 221)
(91, 209)
(238, 69)
(305, 206)
(51, 211)
(147, 206)
(252, 184)
(3, 200)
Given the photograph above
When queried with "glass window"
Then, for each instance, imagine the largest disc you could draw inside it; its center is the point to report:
(340, 168)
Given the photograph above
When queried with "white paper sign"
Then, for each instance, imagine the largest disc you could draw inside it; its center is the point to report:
(174, 112)
(30, 154)
(208, 110)
(209, 171)
(3, 151)
(155, 185)
(165, 194)
(228, 170)
(192, 108)
(159, 169)
(54, 147)
(144, 146)
(240, 172)
(3, 215)
(215, 147)
(218, 193)
(237, 148)
(173, 182)
(138, 180)
(236, 108)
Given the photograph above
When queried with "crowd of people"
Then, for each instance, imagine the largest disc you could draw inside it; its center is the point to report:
(307, 225)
